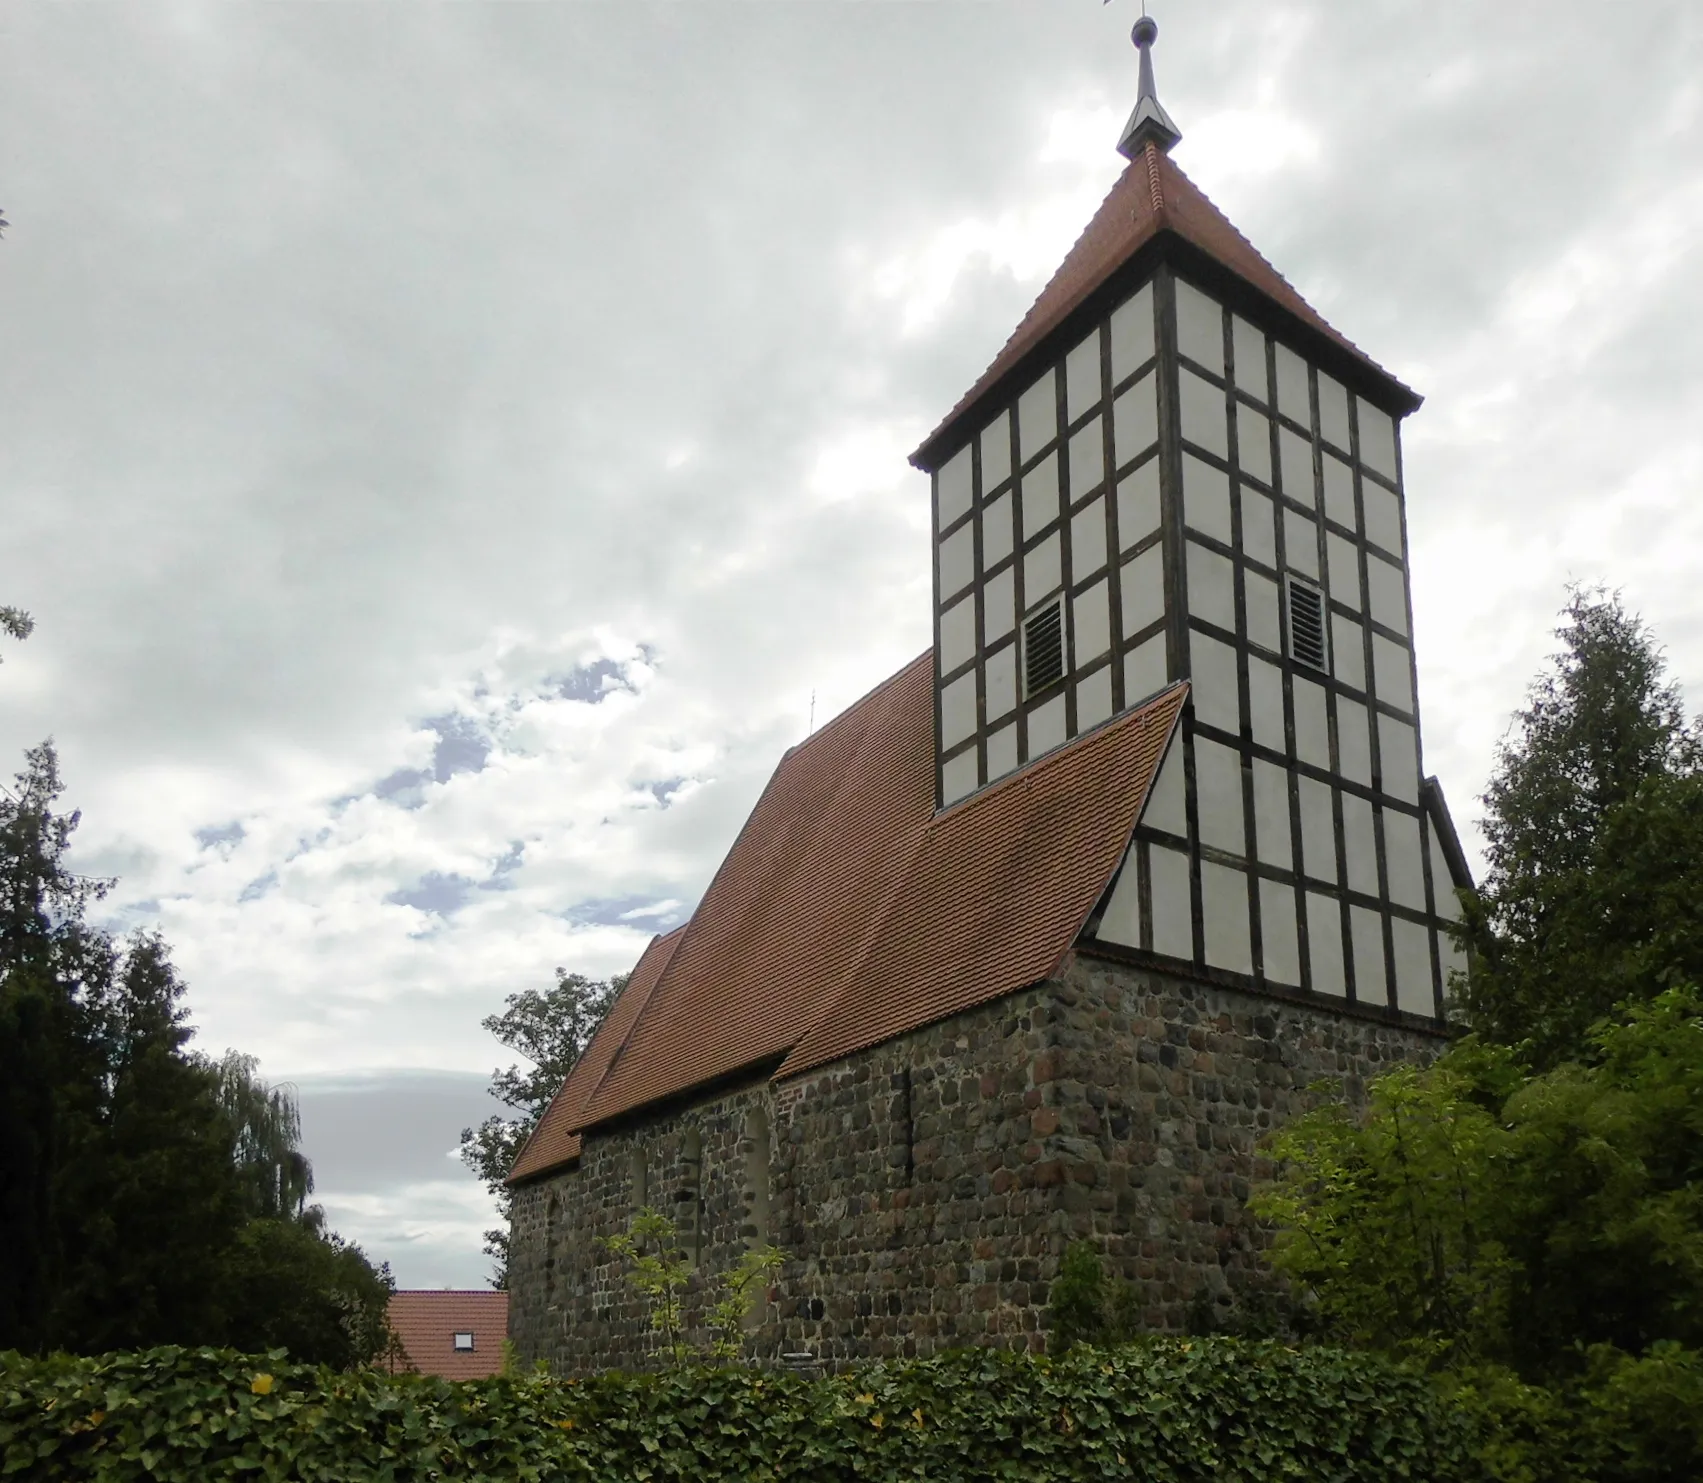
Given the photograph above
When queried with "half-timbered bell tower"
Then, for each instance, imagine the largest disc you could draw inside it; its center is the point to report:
(1175, 470)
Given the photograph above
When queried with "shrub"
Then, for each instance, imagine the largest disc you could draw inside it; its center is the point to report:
(1162, 1409)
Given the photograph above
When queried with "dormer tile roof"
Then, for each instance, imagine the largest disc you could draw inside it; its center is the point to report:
(849, 912)
(1151, 197)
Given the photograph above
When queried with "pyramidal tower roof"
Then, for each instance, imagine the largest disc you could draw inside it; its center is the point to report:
(1151, 205)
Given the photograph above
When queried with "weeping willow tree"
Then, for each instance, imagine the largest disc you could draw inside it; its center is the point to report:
(266, 1126)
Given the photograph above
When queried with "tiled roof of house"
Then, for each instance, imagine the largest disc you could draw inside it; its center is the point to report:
(427, 1320)
(848, 911)
(1150, 197)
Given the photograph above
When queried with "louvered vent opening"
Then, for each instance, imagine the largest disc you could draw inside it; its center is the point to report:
(1043, 649)
(1307, 624)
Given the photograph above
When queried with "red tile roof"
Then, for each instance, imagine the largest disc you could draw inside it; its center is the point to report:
(427, 1321)
(1151, 197)
(848, 912)
(554, 1142)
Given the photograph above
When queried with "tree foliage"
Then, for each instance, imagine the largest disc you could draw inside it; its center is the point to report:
(551, 1029)
(1594, 842)
(147, 1194)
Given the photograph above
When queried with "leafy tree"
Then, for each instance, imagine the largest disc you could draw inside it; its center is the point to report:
(267, 1126)
(1084, 1308)
(551, 1029)
(1594, 842)
(1482, 1212)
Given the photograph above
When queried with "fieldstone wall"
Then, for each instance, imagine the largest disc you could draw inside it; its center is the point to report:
(924, 1190)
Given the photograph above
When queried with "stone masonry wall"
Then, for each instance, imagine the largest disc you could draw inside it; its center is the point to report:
(924, 1190)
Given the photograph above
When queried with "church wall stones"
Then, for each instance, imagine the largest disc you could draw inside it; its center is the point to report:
(924, 1190)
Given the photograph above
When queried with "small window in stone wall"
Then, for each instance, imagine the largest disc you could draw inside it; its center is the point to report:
(638, 1179)
(757, 1149)
(689, 1198)
(552, 1221)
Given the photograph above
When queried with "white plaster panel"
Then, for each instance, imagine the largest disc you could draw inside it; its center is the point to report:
(1218, 797)
(1204, 417)
(1300, 543)
(1040, 496)
(1000, 669)
(958, 710)
(1002, 752)
(1091, 624)
(1145, 670)
(1200, 328)
(1386, 593)
(1318, 830)
(1135, 421)
(957, 634)
(1253, 442)
(1392, 673)
(996, 531)
(1042, 572)
(957, 560)
(1259, 526)
(1293, 398)
(1087, 540)
(1339, 491)
(1206, 498)
(1444, 901)
(1398, 757)
(1348, 651)
(1082, 377)
(1166, 803)
(999, 606)
(1412, 944)
(958, 778)
(1324, 945)
(1333, 412)
(1279, 940)
(1046, 726)
(1213, 667)
(1094, 698)
(996, 453)
(1224, 916)
(1265, 624)
(1265, 704)
(1272, 839)
(1312, 724)
(1143, 589)
(1248, 346)
(1353, 741)
(1359, 844)
(1121, 920)
(1343, 560)
(1404, 859)
(1377, 440)
(1366, 931)
(1212, 586)
(1087, 459)
(1295, 458)
(1132, 332)
(1383, 517)
(1037, 416)
(953, 486)
(1138, 504)
(1173, 931)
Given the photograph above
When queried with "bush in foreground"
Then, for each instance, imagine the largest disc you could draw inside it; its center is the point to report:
(1162, 1409)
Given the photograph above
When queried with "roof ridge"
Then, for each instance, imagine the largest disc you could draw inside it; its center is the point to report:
(1155, 189)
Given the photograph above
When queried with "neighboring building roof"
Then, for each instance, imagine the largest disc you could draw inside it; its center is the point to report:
(848, 911)
(1152, 196)
(426, 1321)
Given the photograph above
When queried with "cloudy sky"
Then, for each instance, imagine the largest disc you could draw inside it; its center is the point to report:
(446, 448)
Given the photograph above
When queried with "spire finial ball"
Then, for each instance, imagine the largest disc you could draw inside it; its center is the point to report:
(1146, 32)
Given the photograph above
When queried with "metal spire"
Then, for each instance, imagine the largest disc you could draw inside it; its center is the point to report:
(1149, 121)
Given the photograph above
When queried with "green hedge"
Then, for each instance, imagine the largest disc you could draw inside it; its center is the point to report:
(1162, 1409)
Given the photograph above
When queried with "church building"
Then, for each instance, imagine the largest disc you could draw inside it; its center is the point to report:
(1040, 938)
